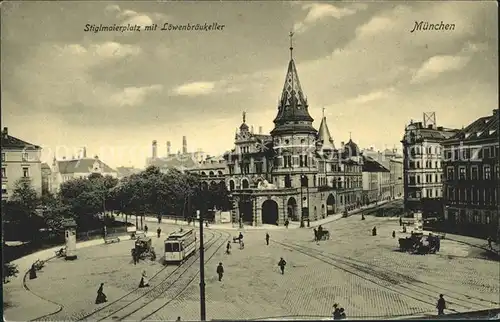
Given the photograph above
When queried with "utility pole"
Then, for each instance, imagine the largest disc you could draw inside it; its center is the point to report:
(203, 312)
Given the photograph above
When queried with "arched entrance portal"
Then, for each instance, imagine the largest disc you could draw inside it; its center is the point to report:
(270, 212)
(330, 205)
(292, 210)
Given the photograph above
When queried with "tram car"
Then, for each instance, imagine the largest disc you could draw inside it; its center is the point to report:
(179, 246)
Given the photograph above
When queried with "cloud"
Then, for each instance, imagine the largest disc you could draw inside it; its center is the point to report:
(436, 65)
(320, 11)
(132, 17)
(372, 96)
(132, 96)
(195, 89)
(374, 26)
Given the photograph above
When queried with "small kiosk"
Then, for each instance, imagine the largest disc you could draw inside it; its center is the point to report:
(70, 238)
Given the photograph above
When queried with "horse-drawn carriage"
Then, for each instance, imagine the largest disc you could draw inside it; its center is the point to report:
(143, 249)
(419, 244)
(321, 234)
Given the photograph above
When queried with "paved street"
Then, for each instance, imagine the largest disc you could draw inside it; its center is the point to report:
(364, 274)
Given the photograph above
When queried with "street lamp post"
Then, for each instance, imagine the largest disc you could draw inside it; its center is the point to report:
(203, 312)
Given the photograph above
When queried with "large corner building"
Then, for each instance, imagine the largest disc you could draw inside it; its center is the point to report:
(294, 173)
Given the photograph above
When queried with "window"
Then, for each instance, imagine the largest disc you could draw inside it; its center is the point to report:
(4, 173)
(474, 172)
(24, 156)
(231, 169)
(487, 172)
(486, 152)
(288, 161)
(497, 171)
(26, 172)
(461, 173)
(3, 157)
(4, 188)
(429, 192)
(449, 173)
(258, 167)
(301, 160)
(418, 165)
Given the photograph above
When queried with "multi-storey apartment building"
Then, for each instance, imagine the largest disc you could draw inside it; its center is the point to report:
(422, 167)
(376, 181)
(20, 160)
(472, 177)
(396, 177)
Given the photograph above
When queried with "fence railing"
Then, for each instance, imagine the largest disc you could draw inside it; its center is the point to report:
(99, 233)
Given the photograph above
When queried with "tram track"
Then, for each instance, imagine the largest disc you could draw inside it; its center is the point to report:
(131, 303)
(391, 281)
(137, 294)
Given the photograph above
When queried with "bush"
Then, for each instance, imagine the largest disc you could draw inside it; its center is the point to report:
(8, 271)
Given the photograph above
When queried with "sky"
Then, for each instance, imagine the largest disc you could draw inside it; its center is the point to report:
(114, 92)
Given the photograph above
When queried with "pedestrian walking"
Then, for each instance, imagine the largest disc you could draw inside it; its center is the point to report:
(146, 229)
(178, 318)
(287, 222)
(228, 248)
(489, 242)
(282, 265)
(404, 229)
(220, 271)
(242, 245)
(144, 280)
(400, 221)
(342, 314)
(267, 238)
(135, 256)
(393, 234)
(336, 312)
(158, 232)
(101, 297)
(441, 305)
(374, 231)
(33, 272)
(362, 216)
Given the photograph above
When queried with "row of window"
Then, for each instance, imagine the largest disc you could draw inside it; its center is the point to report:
(474, 217)
(471, 153)
(24, 157)
(428, 165)
(429, 178)
(349, 183)
(418, 150)
(485, 196)
(213, 174)
(26, 172)
(473, 174)
(426, 193)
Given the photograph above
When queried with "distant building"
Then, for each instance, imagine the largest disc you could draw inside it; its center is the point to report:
(212, 171)
(180, 161)
(127, 171)
(376, 183)
(396, 177)
(46, 179)
(422, 167)
(65, 170)
(472, 178)
(20, 160)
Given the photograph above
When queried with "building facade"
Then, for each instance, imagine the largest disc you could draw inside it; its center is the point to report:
(396, 177)
(376, 181)
(65, 170)
(20, 160)
(422, 168)
(46, 179)
(472, 176)
(294, 173)
(181, 161)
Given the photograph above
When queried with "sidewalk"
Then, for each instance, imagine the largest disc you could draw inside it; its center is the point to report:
(21, 299)
(472, 241)
(292, 225)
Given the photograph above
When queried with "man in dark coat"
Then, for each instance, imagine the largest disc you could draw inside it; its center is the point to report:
(32, 272)
(489, 242)
(158, 232)
(282, 265)
(146, 229)
(336, 312)
(101, 297)
(374, 231)
(220, 271)
(267, 238)
(287, 222)
(393, 234)
(441, 305)
(228, 248)
(400, 221)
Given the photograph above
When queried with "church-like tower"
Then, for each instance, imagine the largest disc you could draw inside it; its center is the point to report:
(294, 137)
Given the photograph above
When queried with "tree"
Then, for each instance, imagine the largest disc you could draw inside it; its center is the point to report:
(9, 270)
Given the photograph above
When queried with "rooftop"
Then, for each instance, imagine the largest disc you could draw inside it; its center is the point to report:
(482, 128)
(11, 142)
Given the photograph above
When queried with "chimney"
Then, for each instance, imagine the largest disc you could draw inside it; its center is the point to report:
(260, 129)
(342, 144)
(84, 152)
(155, 150)
(184, 145)
(251, 129)
(168, 148)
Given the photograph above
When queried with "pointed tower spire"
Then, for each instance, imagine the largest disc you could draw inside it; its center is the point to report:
(244, 126)
(293, 108)
(324, 136)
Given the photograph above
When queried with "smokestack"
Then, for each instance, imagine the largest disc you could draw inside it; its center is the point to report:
(84, 152)
(155, 150)
(184, 145)
(168, 148)
(260, 129)
(251, 131)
